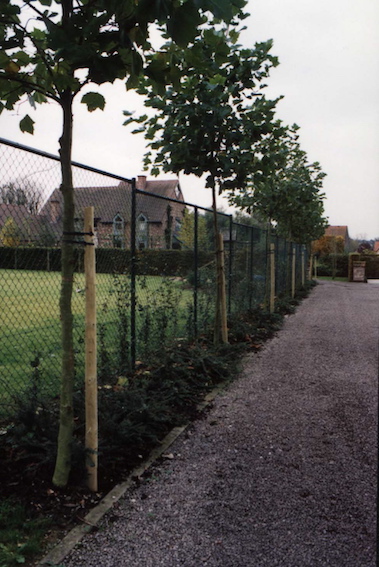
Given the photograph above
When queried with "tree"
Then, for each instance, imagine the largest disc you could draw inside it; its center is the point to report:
(22, 192)
(365, 247)
(285, 189)
(327, 245)
(212, 123)
(51, 50)
(205, 232)
(10, 233)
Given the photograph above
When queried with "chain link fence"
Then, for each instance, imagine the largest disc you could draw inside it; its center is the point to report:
(155, 265)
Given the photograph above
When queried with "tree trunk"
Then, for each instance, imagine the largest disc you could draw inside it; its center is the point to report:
(218, 335)
(63, 460)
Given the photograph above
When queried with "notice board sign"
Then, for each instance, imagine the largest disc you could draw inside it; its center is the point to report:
(359, 271)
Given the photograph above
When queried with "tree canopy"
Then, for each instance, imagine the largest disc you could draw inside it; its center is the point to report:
(51, 49)
(285, 188)
(210, 123)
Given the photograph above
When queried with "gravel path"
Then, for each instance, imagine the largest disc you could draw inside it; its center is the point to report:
(282, 469)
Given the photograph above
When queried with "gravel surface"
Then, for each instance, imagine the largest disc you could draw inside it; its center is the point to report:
(281, 470)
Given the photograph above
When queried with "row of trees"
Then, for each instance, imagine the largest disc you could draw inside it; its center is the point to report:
(207, 91)
(217, 121)
(22, 192)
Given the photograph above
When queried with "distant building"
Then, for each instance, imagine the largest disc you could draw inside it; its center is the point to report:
(158, 220)
(339, 231)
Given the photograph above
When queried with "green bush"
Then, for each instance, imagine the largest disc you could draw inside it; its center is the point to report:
(336, 265)
(372, 264)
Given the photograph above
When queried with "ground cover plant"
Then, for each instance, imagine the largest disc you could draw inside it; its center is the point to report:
(20, 534)
(135, 413)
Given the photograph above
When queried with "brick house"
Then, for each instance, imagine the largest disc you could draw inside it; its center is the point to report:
(158, 220)
(341, 232)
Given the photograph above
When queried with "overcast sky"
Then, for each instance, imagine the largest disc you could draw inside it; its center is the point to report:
(329, 76)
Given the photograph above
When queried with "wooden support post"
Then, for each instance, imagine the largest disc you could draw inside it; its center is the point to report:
(293, 286)
(272, 278)
(310, 273)
(91, 433)
(222, 289)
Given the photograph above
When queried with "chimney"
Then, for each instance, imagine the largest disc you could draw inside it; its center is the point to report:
(54, 210)
(141, 182)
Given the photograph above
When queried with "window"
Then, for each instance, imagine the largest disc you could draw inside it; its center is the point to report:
(118, 232)
(142, 232)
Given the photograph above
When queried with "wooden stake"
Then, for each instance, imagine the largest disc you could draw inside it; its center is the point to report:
(91, 436)
(272, 278)
(310, 274)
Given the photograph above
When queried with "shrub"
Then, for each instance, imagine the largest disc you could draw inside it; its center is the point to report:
(333, 265)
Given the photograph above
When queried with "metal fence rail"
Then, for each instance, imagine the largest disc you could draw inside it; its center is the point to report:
(155, 268)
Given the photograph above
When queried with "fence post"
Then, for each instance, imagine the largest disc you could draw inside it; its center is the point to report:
(293, 284)
(272, 277)
(196, 270)
(222, 289)
(302, 266)
(91, 435)
(133, 270)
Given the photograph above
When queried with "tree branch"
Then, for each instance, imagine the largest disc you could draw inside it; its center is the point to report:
(29, 85)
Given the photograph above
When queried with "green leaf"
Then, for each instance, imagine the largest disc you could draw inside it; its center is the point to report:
(93, 101)
(222, 9)
(27, 125)
(183, 24)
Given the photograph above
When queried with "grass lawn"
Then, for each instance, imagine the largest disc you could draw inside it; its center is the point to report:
(30, 321)
(329, 278)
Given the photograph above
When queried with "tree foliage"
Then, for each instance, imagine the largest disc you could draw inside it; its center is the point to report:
(10, 233)
(51, 48)
(212, 121)
(327, 245)
(205, 233)
(285, 188)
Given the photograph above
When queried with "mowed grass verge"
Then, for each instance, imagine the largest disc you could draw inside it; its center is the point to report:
(30, 321)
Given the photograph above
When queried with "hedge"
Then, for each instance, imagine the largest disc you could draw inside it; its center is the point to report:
(108, 260)
(372, 265)
(344, 265)
(337, 262)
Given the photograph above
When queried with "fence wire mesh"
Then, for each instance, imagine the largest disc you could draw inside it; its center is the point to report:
(155, 266)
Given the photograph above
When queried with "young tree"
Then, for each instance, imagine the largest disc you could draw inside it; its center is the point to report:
(50, 50)
(212, 123)
(285, 189)
(10, 233)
